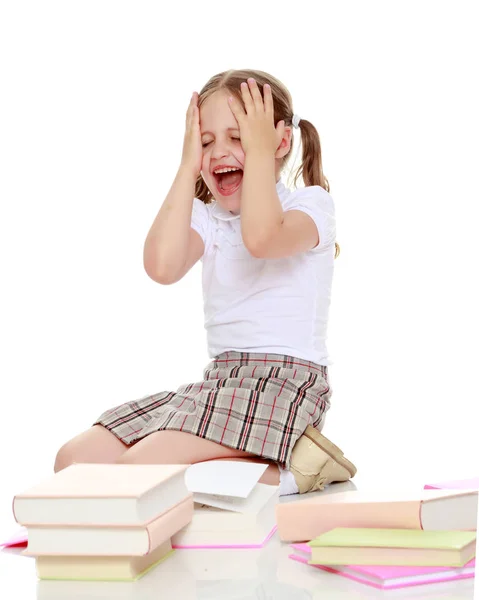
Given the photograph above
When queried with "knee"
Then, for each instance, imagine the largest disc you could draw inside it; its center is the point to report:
(126, 458)
(65, 457)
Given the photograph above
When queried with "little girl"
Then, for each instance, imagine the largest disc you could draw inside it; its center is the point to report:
(267, 255)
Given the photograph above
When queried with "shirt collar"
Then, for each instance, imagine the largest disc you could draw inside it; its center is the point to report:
(222, 214)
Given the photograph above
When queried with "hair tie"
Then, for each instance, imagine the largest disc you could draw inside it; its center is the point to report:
(296, 120)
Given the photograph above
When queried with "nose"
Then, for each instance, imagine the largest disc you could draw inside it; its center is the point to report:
(220, 149)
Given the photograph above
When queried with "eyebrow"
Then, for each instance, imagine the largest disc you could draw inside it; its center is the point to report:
(229, 129)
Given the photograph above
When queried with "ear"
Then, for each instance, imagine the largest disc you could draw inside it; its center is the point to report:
(285, 144)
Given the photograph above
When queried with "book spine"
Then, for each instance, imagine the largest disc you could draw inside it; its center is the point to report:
(170, 523)
(298, 522)
(13, 510)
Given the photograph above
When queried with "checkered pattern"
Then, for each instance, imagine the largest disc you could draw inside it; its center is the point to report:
(259, 403)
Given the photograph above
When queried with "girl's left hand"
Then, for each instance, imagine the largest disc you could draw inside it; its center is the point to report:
(257, 129)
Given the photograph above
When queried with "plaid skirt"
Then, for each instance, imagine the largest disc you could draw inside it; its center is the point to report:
(255, 402)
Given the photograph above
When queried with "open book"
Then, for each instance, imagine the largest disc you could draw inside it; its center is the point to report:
(232, 510)
(226, 484)
(213, 527)
(231, 507)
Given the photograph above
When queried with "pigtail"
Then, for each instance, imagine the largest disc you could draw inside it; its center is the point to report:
(201, 191)
(311, 168)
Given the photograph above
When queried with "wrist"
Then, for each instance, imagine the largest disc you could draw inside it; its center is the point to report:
(187, 174)
(260, 162)
(260, 154)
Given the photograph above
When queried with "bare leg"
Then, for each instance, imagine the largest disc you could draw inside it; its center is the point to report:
(95, 445)
(178, 447)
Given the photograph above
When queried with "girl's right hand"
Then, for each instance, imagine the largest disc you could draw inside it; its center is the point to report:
(192, 156)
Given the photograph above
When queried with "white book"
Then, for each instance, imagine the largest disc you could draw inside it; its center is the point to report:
(126, 540)
(102, 494)
(215, 527)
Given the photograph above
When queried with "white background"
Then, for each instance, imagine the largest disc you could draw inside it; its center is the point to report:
(92, 110)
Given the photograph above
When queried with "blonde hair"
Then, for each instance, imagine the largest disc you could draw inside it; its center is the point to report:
(311, 165)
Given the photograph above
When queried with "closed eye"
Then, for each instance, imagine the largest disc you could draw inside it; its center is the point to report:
(207, 143)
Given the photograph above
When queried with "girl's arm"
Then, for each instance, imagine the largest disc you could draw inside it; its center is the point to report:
(268, 231)
(172, 247)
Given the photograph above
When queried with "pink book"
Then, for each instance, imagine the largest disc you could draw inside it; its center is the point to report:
(445, 510)
(388, 578)
(102, 494)
(100, 540)
(21, 539)
(458, 484)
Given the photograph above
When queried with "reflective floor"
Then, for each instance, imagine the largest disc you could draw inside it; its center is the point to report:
(266, 574)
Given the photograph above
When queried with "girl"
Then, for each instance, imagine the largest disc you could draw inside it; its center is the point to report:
(267, 255)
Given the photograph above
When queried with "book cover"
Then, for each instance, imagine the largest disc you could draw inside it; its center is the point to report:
(214, 527)
(127, 540)
(16, 540)
(211, 541)
(101, 568)
(388, 577)
(102, 494)
(305, 519)
(398, 547)
(455, 484)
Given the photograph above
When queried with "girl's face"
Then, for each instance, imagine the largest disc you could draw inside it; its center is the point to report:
(220, 137)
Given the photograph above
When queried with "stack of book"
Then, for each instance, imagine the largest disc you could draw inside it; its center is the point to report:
(385, 540)
(104, 522)
(250, 526)
(232, 509)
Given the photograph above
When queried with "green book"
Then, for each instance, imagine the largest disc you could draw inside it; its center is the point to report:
(396, 547)
(101, 568)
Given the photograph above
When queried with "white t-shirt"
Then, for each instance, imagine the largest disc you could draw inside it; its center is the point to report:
(278, 306)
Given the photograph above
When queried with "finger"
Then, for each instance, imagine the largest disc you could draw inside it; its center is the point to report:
(195, 117)
(236, 108)
(191, 105)
(247, 99)
(256, 94)
(280, 128)
(196, 110)
(268, 101)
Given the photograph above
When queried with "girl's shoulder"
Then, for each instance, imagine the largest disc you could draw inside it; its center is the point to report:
(311, 195)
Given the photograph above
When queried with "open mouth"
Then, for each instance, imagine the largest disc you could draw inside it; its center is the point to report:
(228, 180)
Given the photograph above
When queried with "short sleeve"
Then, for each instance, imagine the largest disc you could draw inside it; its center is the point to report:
(201, 221)
(316, 202)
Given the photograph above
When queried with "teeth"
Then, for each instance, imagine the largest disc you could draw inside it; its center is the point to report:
(227, 170)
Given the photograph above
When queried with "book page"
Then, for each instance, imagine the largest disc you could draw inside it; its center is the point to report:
(260, 495)
(224, 477)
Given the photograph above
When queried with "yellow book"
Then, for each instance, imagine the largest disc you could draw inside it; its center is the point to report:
(101, 568)
(397, 547)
